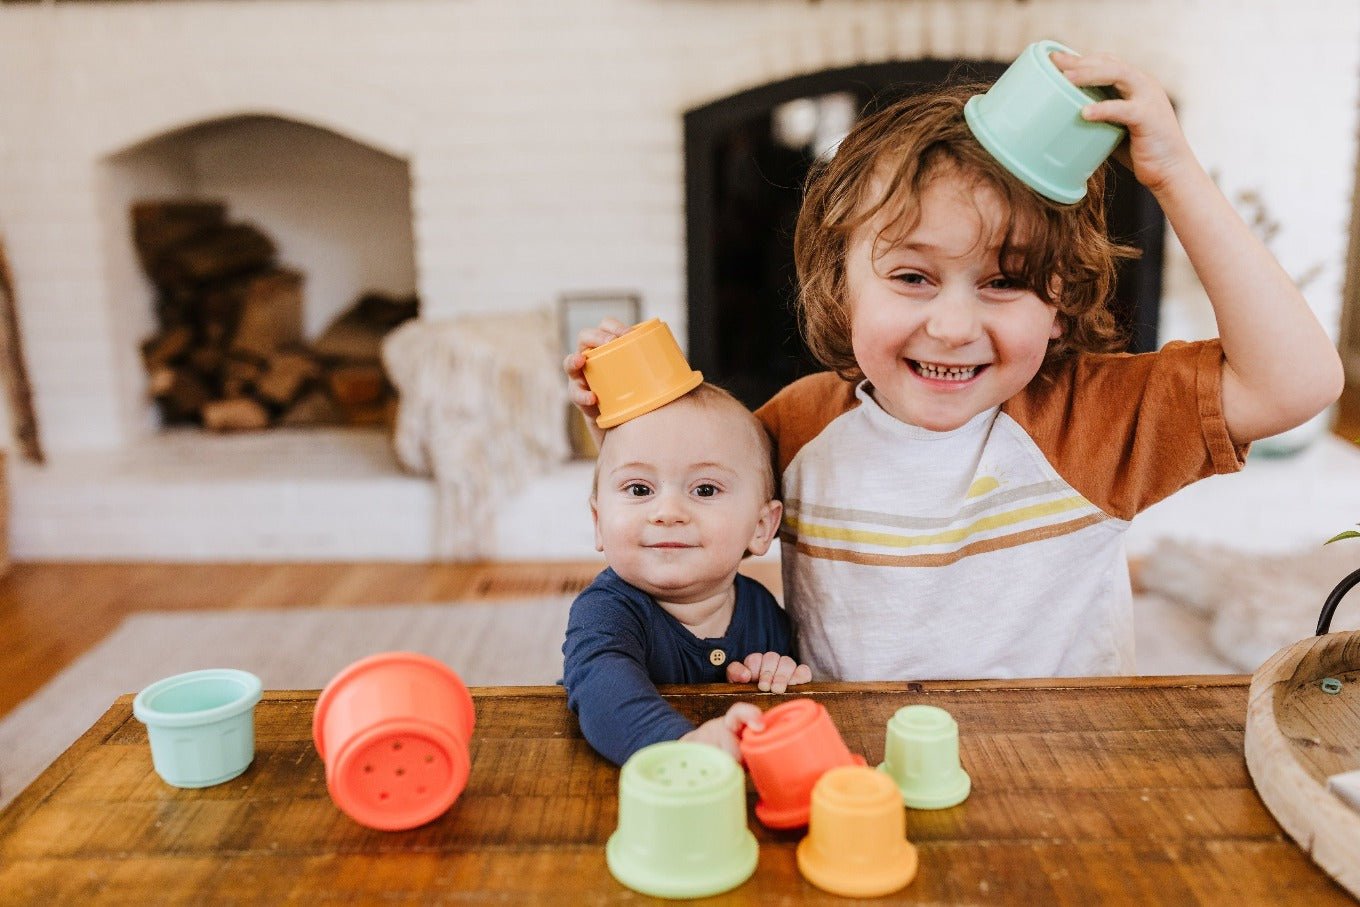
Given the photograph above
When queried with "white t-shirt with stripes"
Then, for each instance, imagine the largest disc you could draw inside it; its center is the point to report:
(994, 550)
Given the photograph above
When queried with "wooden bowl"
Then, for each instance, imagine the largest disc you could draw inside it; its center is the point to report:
(1297, 735)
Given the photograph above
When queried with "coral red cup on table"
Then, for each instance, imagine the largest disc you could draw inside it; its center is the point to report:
(798, 744)
(393, 730)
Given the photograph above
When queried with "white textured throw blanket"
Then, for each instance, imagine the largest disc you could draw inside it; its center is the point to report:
(481, 408)
(1254, 604)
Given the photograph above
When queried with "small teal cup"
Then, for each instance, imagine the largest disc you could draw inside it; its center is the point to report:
(1030, 120)
(201, 725)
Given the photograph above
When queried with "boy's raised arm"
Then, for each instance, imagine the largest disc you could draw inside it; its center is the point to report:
(1280, 368)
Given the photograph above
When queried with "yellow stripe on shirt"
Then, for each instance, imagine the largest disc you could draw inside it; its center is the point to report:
(805, 529)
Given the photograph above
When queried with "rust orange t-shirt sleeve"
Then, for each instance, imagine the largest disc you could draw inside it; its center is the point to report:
(799, 412)
(1128, 430)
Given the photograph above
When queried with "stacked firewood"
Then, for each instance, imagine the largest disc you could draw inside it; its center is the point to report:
(229, 351)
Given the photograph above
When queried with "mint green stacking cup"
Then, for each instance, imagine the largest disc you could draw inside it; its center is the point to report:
(682, 823)
(921, 754)
(1030, 120)
(201, 725)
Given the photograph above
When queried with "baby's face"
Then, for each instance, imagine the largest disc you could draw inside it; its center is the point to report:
(680, 499)
(937, 328)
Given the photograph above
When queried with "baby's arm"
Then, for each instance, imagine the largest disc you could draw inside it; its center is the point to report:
(773, 673)
(607, 684)
(1280, 367)
(725, 732)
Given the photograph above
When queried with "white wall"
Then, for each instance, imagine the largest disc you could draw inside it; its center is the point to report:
(544, 136)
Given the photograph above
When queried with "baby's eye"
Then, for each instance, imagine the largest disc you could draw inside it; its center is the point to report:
(910, 278)
(706, 490)
(637, 490)
(1004, 283)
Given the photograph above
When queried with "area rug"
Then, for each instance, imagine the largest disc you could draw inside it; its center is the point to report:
(1247, 605)
(499, 643)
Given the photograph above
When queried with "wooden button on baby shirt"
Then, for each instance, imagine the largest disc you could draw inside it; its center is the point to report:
(717, 656)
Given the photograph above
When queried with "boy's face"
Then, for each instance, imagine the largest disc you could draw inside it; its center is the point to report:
(680, 499)
(936, 327)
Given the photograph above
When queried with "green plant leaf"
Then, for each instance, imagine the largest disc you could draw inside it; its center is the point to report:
(1348, 534)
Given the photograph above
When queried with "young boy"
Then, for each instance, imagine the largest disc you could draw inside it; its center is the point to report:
(681, 495)
(956, 489)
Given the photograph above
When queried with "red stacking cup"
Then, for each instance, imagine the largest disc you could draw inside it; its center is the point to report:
(393, 730)
(798, 744)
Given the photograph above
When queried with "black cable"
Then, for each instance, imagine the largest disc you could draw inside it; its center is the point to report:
(1324, 623)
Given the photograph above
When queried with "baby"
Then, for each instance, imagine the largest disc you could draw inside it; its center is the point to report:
(681, 495)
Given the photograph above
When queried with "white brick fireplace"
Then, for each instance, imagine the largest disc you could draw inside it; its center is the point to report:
(515, 150)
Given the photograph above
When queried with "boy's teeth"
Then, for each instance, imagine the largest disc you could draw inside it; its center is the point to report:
(945, 372)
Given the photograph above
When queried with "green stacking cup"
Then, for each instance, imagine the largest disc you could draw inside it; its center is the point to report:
(1030, 120)
(201, 725)
(922, 755)
(682, 823)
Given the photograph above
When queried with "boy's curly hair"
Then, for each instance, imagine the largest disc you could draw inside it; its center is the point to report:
(903, 148)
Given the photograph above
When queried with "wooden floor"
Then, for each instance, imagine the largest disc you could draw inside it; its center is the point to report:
(51, 613)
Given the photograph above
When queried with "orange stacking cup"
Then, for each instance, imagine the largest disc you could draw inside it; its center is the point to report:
(393, 730)
(856, 845)
(638, 372)
(798, 744)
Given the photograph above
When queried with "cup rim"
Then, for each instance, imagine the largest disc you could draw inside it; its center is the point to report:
(1039, 53)
(383, 659)
(641, 409)
(791, 719)
(251, 691)
(866, 881)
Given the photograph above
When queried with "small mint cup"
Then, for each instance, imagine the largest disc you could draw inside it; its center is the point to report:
(1030, 121)
(201, 725)
(682, 823)
(921, 755)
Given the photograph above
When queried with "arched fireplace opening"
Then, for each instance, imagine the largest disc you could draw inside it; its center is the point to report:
(255, 263)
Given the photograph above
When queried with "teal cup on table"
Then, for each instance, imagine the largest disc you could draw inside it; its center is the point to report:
(201, 725)
(1030, 121)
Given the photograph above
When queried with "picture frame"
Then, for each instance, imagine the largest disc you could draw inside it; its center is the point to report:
(578, 311)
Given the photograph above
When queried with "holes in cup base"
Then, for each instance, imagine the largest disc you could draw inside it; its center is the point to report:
(400, 773)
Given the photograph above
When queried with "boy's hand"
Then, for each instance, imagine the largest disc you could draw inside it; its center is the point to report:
(772, 672)
(725, 732)
(1157, 149)
(575, 365)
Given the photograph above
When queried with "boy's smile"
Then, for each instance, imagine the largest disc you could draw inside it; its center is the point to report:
(939, 329)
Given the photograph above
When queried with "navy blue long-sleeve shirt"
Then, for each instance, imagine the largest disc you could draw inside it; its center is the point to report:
(620, 644)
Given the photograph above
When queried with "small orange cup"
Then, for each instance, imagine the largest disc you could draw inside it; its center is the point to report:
(641, 371)
(798, 744)
(856, 845)
(393, 730)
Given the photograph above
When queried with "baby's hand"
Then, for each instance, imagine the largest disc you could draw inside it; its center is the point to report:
(575, 365)
(773, 673)
(725, 732)
(1157, 149)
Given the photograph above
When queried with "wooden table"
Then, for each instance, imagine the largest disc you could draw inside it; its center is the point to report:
(1117, 790)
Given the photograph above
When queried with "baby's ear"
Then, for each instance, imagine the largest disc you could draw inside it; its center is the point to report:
(595, 518)
(767, 527)
(1057, 329)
